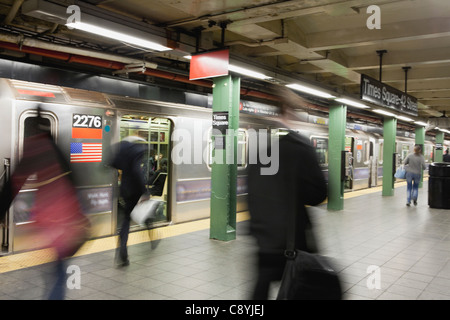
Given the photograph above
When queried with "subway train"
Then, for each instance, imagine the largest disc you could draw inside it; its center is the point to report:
(87, 125)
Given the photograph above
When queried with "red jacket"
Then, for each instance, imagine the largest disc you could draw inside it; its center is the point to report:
(56, 208)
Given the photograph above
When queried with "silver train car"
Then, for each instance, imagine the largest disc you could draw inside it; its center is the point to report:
(80, 118)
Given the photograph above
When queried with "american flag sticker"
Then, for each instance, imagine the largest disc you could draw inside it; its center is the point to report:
(85, 152)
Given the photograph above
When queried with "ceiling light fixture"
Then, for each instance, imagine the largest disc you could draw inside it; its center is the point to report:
(386, 113)
(105, 32)
(352, 103)
(309, 90)
(404, 118)
(247, 72)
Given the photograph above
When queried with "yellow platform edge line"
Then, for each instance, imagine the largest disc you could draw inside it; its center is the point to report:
(37, 257)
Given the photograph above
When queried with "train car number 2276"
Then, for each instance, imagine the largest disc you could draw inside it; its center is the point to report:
(86, 121)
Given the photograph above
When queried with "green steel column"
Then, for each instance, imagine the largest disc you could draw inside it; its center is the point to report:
(226, 94)
(389, 133)
(336, 145)
(420, 139)
(439, 154)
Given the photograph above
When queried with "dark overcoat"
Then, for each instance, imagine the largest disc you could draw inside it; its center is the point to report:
(299, 181)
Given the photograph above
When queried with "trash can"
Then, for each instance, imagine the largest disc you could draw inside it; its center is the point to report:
(439, 185)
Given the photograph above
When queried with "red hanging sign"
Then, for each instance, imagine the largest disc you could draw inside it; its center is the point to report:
(209, 64)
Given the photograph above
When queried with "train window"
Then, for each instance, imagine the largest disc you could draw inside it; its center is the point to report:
(380, 152)
(428, 153)
(366, 152)
(320, 144)
(405, 151)
(242, 149)
(28, 126)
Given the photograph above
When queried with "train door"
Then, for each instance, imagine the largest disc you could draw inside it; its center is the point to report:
(4, 226)
(155, 133)
(24, 234)
(348, 182)
(373, 165)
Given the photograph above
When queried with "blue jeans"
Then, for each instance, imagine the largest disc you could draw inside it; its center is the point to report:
(412, 186)
(130, 202)
(58, 290)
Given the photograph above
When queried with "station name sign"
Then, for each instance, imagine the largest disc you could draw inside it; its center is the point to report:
(386, 96)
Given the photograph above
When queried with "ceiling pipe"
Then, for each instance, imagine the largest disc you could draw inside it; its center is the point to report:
(114, 65)
(155, 73)
(259, 43)
(97, 62)
(30, 42)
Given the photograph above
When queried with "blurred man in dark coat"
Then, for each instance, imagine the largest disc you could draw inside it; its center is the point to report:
(132, 186)
(299, 181)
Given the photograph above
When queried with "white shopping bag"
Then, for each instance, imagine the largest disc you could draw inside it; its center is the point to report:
(145, 211)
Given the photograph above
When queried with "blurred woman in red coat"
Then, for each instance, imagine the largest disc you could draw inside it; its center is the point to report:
(56, 210)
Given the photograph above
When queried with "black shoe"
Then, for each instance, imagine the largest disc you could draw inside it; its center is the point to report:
(121, 260)
(415, 202)
(122, 263)
(408, 204)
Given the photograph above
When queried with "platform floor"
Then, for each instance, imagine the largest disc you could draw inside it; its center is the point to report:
(410, 245)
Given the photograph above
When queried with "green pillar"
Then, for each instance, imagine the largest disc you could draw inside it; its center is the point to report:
(336, 146)
(389, 133)
(226, 94)
(439, 154)
(420, 139)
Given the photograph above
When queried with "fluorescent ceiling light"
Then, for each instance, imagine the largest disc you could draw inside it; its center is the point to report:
(117, 36)
(386, 113)
(420, 123)
(404, 118)
(352, 103)
(309, 90)
(442, 130)
(247, 72)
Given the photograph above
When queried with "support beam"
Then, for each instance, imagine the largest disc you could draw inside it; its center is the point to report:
(224, 168)
(439, 154)
(420, 140)
(336, 148)
(389, 133)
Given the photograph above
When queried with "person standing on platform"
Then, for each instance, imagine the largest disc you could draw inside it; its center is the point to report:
(271, 198)
(414, 164)
(129, 159)
(158, 179)
(446, 156)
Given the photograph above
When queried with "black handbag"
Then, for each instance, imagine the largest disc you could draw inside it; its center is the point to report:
(307, 276)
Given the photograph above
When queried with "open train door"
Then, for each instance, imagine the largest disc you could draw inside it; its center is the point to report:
(155, 134)
(5, 175)
(22, 231)
(349, 151)
(373, 166)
